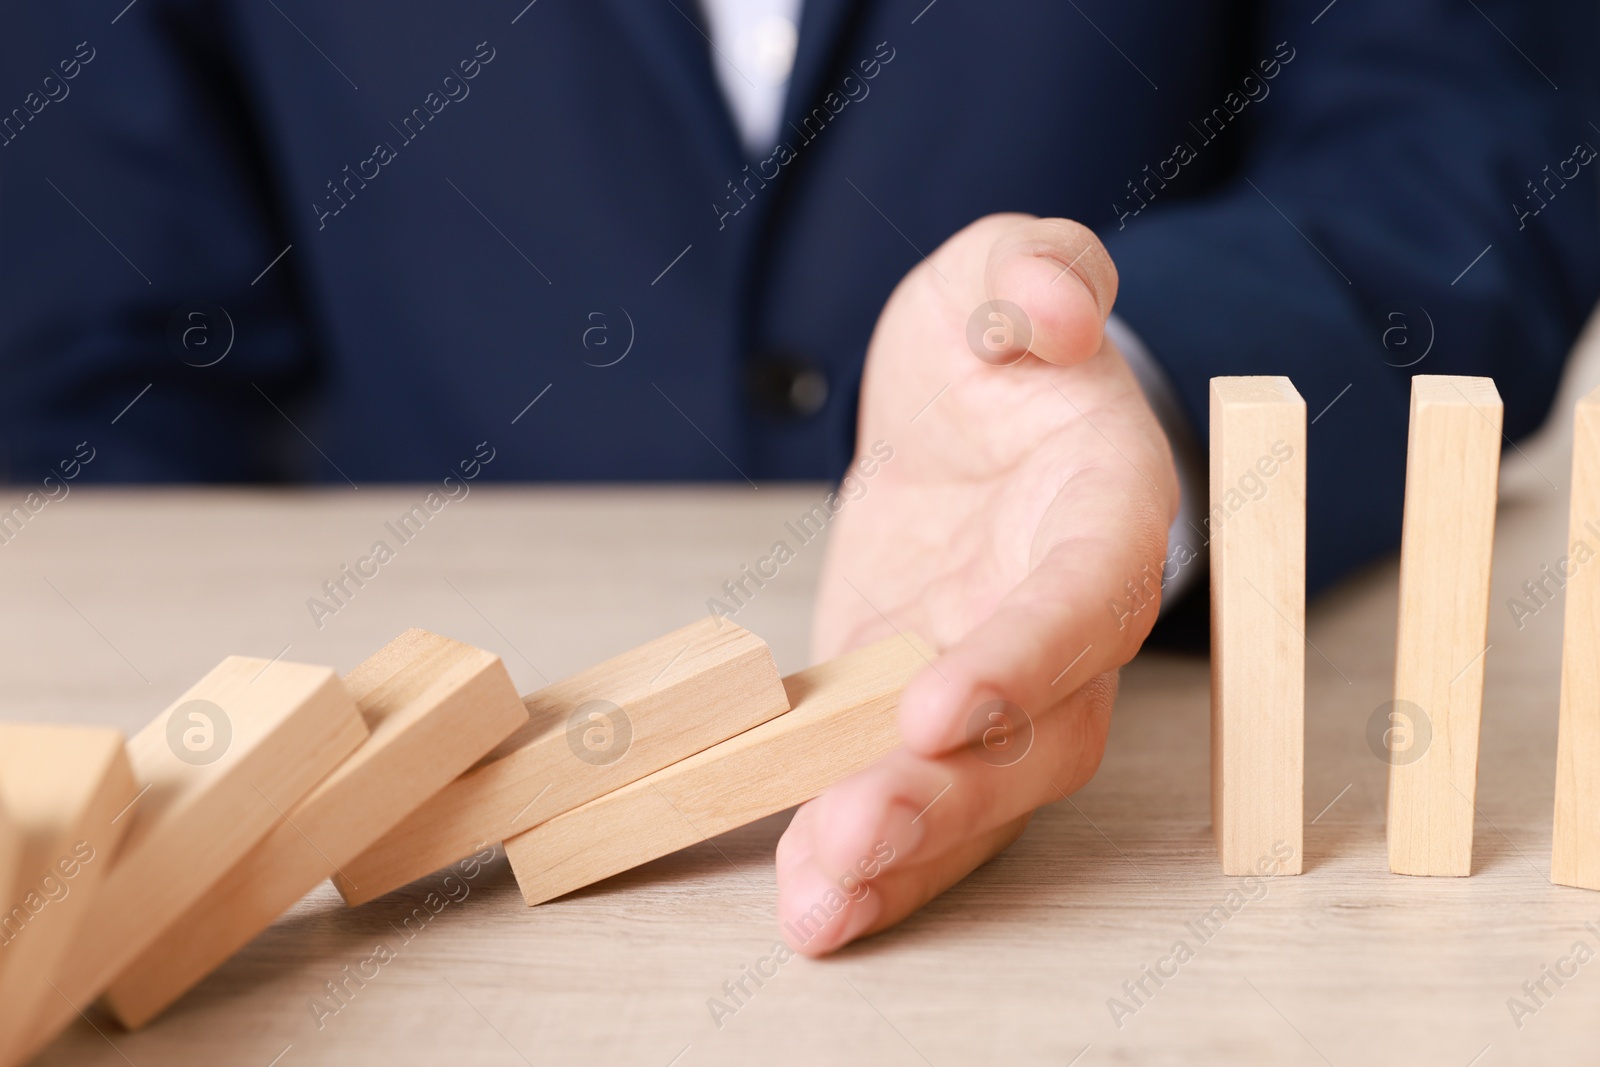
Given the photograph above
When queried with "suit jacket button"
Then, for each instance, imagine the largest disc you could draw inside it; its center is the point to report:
(786, 385)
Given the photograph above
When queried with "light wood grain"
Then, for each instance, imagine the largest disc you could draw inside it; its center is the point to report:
(68, 789)
(842, 718)
(1575, 843)
(290, 724)
(1452, 470)
(1015, 965)
(596, 731)
(1257, 526)
(433, 707)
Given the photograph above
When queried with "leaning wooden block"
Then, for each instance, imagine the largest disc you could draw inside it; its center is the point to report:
(1452, 472)
(67, 790)
(434, 707)
(594, 732)
(843, 718)
(1258, 597)
(218, 769)
(1575, 844)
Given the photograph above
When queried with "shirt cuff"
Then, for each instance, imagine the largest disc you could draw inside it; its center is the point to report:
(1186, 544)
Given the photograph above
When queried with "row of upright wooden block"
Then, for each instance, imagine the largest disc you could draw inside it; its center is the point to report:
(1258, 441)
(132, 871)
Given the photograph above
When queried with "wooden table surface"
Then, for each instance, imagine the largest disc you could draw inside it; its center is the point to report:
(117, 601)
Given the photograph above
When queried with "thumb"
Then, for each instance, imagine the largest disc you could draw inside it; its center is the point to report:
(1063, 281)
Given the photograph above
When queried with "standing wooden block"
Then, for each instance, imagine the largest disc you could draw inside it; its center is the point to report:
(1452, 473)
(1258, 597)
(587, 735)
(843, 719)
(1575, 846)
(67, 789)
(222, 764)
(434, 707)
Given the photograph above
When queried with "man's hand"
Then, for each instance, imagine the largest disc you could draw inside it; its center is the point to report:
(1027, 489)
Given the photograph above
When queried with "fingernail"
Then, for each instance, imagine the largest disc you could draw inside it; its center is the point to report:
(859, 917)
(1068, 271)
(829, 914)
(805, 909)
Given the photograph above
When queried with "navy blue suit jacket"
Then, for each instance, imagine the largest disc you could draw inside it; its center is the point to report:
(411, 220)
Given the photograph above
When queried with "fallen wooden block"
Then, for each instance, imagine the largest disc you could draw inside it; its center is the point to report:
(1575, 843)
(217, 771)
(66, 789)
(843, 718)
(1258, 596)
(587, 735)
(434, 707)
(1452, 472)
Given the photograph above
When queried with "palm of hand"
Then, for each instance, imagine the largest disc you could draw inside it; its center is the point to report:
(991, 467)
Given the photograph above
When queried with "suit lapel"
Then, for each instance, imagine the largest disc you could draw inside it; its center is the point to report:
(669, 37)
(822, 24)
